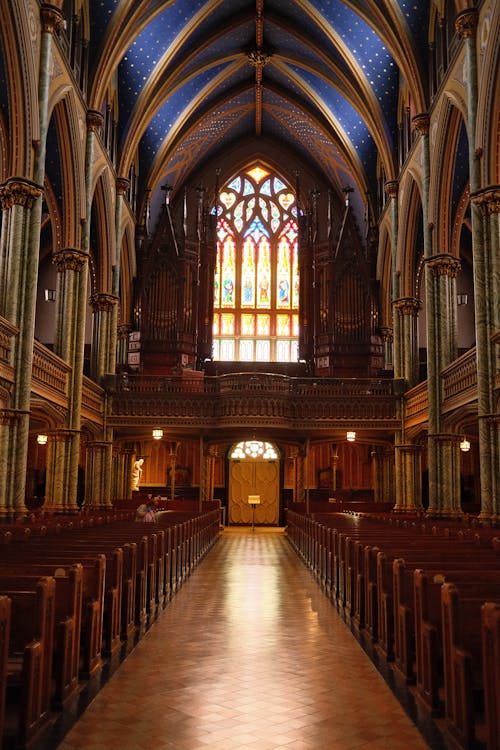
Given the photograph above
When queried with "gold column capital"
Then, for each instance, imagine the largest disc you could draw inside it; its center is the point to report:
(94, 120)
(103, 302)
(487, 199)
(392, 188)
(443, 264)
(19, 192)
(466, 23)
(407, 306)
(52, 18)
(122, 185)
(69, 259)
(386, 333)
(422, 123)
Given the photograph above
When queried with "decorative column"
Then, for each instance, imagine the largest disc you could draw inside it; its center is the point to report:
(71, 267)
(299, 494)
(486, 245)
(174, 447)
(21, 202)
(387, 335)
(8, 423)
(59, 473)
(122, 344)
(97, 485)
(444, 484)
(405, 310)
(104, 337)
(334, 455)
(383, 474)
(408, 472)
(122, 187)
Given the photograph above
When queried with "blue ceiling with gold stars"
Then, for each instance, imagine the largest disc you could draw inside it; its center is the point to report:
(324, 80)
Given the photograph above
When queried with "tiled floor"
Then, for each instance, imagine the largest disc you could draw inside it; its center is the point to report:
(249, 654)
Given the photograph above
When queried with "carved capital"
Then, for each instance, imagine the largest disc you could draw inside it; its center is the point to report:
(422, 123)
(94, 120)
(52, 18)
(103, 302)
(123, 330)
(19, 192)
(391, 188)
(407, 305)
(69, 260)
(9, 416)
(487, 200)
(466, 23)
(387, 335)
(122, 185)
(444, 265)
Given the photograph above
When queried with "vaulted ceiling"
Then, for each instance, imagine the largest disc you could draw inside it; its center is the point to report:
(195, 78)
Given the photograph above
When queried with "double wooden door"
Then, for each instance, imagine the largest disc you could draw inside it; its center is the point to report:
(254, 477)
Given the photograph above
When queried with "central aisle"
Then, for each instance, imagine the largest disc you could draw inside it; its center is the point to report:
(248, 654)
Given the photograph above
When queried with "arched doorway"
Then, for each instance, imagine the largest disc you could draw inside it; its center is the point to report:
(254, 469)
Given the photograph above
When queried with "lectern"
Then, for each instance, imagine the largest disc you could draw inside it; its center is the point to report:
(253, 500)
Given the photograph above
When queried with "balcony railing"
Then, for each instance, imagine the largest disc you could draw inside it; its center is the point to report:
(236, 399)
(50, 375)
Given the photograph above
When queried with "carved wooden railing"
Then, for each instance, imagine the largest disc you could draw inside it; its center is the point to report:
(50, 375)
(93, 399)
(250, 398)
(417, 405)
(7, 334)
(460, 381)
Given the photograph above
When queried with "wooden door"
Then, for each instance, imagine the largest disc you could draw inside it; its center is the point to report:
(254, 477)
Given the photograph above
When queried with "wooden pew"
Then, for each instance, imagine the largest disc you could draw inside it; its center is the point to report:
(412, 603)
(93, 587)
(463, 664)
(67, 619)
(490, 630)
(30, 662)
(5, 617)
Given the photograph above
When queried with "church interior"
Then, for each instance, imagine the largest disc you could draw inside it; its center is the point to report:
(249, 273)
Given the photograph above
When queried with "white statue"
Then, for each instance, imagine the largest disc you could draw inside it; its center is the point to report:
(137, 473)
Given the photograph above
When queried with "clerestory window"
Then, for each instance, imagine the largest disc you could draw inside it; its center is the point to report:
(256, 289)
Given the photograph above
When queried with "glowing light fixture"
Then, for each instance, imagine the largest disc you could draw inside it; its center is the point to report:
(41, 439)
(157, 434)
(465, 445)
(351, 436)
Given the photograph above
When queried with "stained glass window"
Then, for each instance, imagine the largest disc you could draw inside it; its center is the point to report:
(256, 275)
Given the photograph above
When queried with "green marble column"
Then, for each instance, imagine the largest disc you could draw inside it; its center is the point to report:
(59, 449)
(409, 476)
(387, 335)
(97, 476)
(486, 244)
(122, 345)
(104, 335)
(406, 311)
(383, 474)
(21, 203)
(444, 490)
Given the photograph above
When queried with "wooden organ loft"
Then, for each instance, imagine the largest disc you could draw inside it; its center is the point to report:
(339, 300)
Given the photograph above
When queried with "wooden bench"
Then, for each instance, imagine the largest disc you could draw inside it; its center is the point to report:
(463, 665)
(67, 619)
(490, 632)
(29, 669)
(5, 617)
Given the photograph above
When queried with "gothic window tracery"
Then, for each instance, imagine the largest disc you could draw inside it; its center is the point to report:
(256, 285)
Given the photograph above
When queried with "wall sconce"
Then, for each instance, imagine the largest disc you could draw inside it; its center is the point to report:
(41, 439)
(351, 437)
(157, 434)
(50, 295)
(461, 299)
(465, 445)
